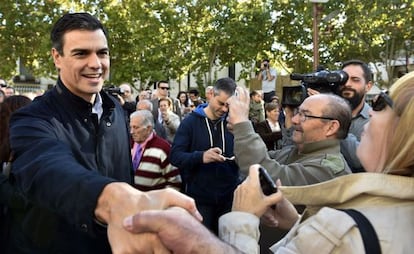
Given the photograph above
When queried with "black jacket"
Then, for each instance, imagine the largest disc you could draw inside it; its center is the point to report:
(63, 160)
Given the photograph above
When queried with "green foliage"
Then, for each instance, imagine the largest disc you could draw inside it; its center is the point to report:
(166, 39)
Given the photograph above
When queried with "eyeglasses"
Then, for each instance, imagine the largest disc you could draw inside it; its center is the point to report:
(164, 88)
(381, 101)
(303, 117)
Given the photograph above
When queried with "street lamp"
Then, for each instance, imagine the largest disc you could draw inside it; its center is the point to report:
(316, 31)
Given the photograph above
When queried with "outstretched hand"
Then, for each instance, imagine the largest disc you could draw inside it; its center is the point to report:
(120, 200)
(178, 230)
(239, 105)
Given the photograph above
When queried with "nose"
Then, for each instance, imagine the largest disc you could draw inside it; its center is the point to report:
(295, 119)
(94, 61)
(225, 108)
(348, 83)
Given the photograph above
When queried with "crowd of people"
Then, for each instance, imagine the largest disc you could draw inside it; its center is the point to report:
(85, 170)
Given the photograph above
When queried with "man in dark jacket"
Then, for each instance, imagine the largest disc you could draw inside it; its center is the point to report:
(72, 156)
(203, 151)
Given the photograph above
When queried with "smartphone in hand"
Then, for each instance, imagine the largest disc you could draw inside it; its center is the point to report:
(268, 185)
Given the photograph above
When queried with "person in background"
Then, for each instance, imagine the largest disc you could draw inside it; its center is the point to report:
(270, 130)
(256, 109)
(282, 117)
(73, 159)
(144, 95)
(3, 85)
(203, 151)
(358, 85)
(2, 96)
(9, 91)
(275, 99)
(150, 155)
(195, 98)
(319, 124)
(354, 91)
(384, 195)
(162, 92)
(267, 76)
(127, 92)
(9, 196)
(170, 121)
(126, 100)
(158, 127)
(8, 107)
(184, 104)
(209, 91)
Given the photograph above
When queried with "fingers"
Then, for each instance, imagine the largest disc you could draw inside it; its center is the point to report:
(278, 183)
(144, 222)
(254, 172)
(242, 94)
(213, 155)
(216, 150)
(171, 197)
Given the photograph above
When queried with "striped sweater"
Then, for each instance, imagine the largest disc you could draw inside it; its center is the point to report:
(155, 170)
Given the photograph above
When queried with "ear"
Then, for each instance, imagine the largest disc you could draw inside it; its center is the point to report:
(332, 128)
(56, 57)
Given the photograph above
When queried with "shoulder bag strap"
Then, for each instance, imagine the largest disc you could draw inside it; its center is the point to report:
(368, 234)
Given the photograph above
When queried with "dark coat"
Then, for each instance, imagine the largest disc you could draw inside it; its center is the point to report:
(271, 139)
(64, 159)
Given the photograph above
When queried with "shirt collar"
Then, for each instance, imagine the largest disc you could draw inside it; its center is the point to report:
(97, 106)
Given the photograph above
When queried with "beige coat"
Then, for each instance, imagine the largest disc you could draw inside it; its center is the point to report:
(386, 200)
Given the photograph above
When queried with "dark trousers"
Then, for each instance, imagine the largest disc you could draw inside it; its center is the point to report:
(268, 96)
(212, 213)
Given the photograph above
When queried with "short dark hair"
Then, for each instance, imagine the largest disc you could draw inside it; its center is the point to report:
(70, 22)
(368, 76)
(162, 81)
(227, 85)
(194, 91)
(253, 93)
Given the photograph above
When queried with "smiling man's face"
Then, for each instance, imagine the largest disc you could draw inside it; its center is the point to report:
(84, 64)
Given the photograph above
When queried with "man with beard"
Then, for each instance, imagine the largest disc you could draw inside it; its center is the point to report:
(354, 91)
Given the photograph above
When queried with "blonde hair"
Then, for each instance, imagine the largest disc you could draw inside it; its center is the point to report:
(400, 159)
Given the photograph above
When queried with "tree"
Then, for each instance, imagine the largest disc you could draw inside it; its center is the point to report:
(166, 39)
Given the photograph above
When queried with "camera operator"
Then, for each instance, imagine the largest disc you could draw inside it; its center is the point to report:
(124, 95)
(267, 76)
(354, 91)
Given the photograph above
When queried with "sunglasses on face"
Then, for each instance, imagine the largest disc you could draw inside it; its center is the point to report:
(165, 88)
(381, 101)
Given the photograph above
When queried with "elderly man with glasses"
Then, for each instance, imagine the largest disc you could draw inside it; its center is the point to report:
(319, 124)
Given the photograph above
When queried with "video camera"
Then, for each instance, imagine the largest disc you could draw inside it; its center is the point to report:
(113, 90)
(323, 81)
